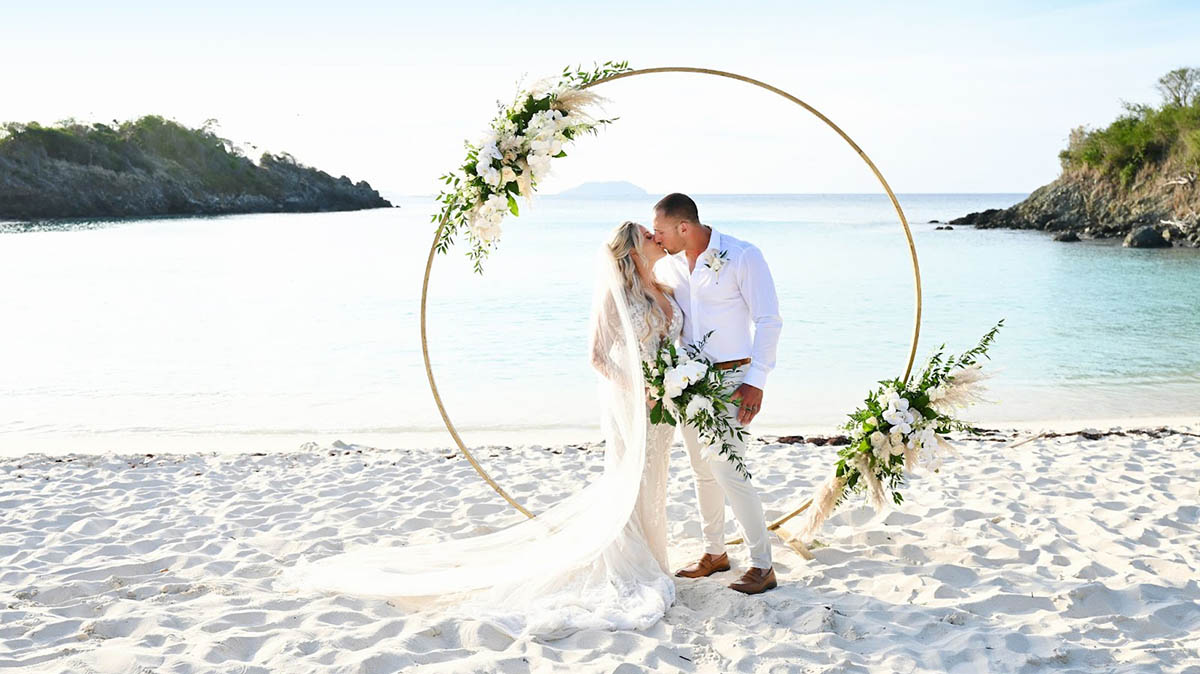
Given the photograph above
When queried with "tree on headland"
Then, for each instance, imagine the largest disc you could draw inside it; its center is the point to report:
(1180, 86)
(1145, 136)
(155, 166)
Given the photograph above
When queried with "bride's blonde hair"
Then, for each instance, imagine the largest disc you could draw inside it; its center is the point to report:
(626, 242)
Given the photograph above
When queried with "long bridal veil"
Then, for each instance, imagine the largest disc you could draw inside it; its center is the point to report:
(580, 564)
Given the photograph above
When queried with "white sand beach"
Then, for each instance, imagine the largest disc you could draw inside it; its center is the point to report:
(1062, 554)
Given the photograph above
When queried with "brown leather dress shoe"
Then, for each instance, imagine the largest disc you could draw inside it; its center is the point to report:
(755, 581)
(707, 566)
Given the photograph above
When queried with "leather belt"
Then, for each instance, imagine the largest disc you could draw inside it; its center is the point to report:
(730, 364)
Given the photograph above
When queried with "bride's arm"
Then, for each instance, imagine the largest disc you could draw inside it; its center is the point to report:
(605, 328)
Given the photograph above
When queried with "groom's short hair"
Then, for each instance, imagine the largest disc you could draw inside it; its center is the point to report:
(679, 207)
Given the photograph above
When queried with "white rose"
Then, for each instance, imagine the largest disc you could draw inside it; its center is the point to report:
(485, 229)
(878, 439)
(507, 175)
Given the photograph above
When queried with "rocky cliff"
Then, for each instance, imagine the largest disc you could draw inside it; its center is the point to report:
(154, 167)
(1136, 179)
(1086, 204)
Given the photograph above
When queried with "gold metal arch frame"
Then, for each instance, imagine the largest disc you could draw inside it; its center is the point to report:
(912, 249)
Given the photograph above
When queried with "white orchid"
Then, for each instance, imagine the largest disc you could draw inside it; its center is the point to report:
(549, 147)
(677, 378)
(489, 151)
(539, 165)
(489, 173)
(698, 404)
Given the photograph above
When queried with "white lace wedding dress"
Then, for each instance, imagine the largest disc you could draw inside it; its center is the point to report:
(650, 510)
(596, 560)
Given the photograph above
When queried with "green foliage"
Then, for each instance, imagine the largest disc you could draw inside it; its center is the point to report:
(1143, 136)
(148, 144)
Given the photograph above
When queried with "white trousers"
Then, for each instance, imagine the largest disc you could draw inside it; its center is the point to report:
(718, 480)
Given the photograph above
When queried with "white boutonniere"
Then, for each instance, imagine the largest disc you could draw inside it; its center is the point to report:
(714, 260)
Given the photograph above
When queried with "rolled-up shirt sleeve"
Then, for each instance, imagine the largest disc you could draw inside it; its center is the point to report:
(758, 290)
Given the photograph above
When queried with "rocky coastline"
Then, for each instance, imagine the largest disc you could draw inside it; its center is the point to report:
(1136, 178)
(1161, 209)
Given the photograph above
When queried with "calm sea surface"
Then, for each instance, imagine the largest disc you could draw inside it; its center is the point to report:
(269, 330)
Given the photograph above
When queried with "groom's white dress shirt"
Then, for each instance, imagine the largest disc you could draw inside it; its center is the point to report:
(727, 301)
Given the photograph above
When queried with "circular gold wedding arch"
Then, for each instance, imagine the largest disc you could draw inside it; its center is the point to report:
(912, 249)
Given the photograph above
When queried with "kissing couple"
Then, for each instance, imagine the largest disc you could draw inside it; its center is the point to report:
(598, 559)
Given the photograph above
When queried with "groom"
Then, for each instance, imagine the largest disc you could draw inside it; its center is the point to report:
(722, 284)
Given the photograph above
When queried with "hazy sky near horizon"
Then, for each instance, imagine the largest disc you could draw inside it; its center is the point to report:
(944, 96)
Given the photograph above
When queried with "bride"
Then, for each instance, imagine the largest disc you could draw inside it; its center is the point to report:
(596, 560)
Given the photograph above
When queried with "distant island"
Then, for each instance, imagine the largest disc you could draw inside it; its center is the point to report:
(152, 167)
(604, 190)
(1135, 179)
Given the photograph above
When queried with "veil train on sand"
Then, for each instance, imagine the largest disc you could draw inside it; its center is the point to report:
(572, 566)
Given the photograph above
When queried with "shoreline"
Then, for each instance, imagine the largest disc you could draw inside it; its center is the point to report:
(15, 445)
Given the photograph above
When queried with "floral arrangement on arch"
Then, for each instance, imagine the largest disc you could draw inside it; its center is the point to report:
(902, 425)
(514, 154)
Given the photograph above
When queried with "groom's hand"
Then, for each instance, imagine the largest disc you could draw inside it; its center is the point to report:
(749, 400)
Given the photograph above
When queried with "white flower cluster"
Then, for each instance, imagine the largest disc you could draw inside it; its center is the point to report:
(691, 391)
(508, 156)
(715, 260)
(909, 430)
(679, 377)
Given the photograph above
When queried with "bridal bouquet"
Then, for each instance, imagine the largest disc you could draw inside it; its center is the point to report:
(903, 424)
(514, 154)
(690, 390)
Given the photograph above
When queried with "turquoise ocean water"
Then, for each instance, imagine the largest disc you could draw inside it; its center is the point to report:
(266, 330)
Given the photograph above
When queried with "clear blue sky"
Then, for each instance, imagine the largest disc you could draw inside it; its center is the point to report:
(944, 96)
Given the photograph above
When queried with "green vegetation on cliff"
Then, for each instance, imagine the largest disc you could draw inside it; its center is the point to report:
(1137, 178)
(1144, 135)
(155, 166)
